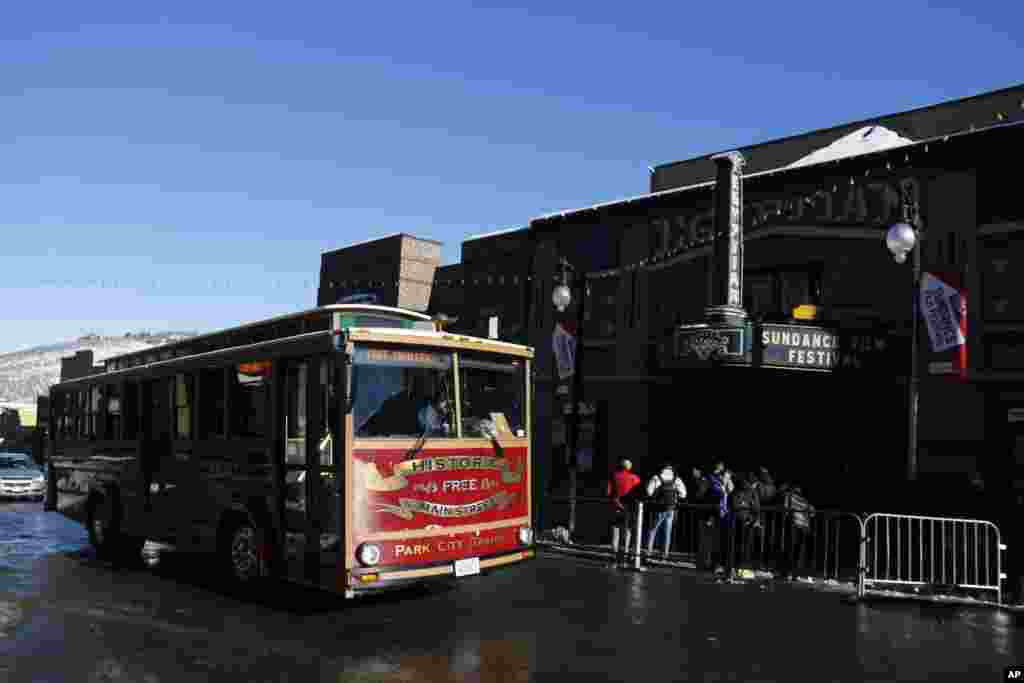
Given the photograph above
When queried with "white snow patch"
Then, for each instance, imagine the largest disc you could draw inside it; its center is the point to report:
(862, 141)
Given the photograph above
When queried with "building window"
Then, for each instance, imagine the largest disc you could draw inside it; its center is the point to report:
(211, 403)
(772, 294)
(183, 406)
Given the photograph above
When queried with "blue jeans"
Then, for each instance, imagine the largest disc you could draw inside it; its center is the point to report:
(662, 522)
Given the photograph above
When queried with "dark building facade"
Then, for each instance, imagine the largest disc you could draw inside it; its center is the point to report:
(81, 364)
(397, 270)
(815, 211)
(828, 410)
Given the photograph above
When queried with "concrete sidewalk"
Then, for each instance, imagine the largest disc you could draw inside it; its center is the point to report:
(682, 562)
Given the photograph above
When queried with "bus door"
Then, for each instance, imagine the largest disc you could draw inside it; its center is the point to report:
(157, 452)
(313, 535)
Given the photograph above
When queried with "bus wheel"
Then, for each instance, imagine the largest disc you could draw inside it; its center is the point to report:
(240, 556)
(103, 518)
(103, 521)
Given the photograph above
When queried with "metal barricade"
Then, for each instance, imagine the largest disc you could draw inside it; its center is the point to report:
(882, 549)
(766, 543)
(932, 552)
(597, 528)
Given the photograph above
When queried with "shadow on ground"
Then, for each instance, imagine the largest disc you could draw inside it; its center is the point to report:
(193, 570)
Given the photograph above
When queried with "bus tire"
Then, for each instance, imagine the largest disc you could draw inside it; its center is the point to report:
(238, 550)
(103, 519)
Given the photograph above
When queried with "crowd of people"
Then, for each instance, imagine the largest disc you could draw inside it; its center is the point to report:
(731, 519)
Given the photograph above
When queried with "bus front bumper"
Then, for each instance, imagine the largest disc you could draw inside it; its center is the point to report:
(366, 581)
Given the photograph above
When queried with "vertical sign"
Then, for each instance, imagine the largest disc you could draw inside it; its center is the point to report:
(736, 236)
(944, 308)
(727, 278)
(564, 345)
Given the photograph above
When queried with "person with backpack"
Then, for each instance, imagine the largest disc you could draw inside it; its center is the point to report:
(766, 486)
(664, 492)
(799, 512)
(746, 506)
(720, 522)
(620, 490)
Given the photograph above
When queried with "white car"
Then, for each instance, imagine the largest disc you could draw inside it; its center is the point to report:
(20, 478)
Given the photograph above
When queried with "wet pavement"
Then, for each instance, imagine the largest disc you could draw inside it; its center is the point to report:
(64, 616)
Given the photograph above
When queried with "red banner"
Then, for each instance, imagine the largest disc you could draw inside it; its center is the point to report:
(438, 488)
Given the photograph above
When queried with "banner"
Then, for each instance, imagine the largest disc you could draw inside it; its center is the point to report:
(564, 345)
(944, 311)
(408, 507)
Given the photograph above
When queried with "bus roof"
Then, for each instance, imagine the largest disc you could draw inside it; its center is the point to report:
(318, 312)
(447, 339)
(224, 341)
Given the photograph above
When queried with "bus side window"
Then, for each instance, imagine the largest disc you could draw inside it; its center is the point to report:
(250, 390)
(183, 406)
(112, 403)
(211, 403)
(130, 410)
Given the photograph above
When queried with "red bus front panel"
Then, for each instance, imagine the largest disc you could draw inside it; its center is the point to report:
(440, 504)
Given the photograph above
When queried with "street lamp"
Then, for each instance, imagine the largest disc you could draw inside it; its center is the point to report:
(561, 297)
(904, 238)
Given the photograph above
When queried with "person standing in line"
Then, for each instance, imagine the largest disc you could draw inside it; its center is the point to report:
(665, 491)
(722, 487)
(620, 486)
(708, 519)
(746, 504)
(800, 512)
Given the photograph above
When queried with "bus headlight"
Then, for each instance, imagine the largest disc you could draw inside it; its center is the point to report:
(526, 535)
(368, 554)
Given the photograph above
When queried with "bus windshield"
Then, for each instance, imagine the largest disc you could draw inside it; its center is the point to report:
(492, 388)
(402, 393)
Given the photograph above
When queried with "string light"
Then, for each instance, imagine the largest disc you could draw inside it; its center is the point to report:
(685, 245)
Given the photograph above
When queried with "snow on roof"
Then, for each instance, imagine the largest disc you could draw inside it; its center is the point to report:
(492, 234)
(378, 239)
(861, 141)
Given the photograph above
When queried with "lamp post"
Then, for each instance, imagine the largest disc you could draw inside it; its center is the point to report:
(905, 238)
(562, 297)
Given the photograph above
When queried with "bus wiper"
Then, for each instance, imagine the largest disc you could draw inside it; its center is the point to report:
(421, 440)
(490, 430)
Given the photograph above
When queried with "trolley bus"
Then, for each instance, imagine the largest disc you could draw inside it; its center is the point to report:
(351, 447)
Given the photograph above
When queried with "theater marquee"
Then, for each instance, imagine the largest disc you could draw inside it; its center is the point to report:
(815, 348)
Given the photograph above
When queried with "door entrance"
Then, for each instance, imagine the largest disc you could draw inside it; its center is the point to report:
(156, 442)
(313, 501)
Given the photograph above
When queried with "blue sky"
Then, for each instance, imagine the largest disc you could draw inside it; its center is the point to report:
(184, 168)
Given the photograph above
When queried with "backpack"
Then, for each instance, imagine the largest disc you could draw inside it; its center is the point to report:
(740, 501)
(666, 496)
(701, 488)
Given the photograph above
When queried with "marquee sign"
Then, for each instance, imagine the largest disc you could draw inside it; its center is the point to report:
(816, 348)
(710, 342)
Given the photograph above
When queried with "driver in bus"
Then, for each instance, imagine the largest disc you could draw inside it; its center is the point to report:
(433, 416)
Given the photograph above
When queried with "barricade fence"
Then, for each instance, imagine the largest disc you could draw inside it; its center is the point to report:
(877, 550)
(918, 551)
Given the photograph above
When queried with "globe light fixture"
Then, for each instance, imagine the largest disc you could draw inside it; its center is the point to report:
(561, 297)
(901, 240)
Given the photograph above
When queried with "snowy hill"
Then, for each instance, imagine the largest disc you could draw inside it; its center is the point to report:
(24, 375)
